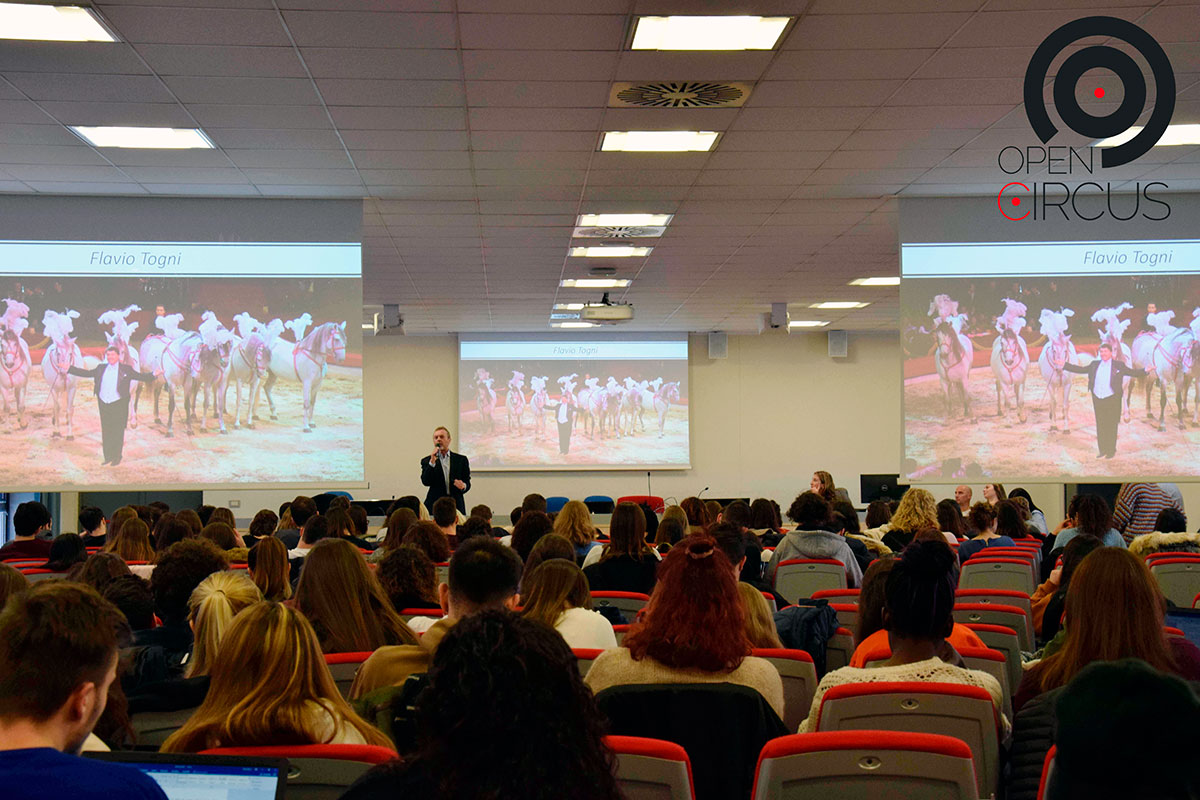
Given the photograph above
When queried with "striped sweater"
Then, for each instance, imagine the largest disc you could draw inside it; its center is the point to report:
(1138, 505)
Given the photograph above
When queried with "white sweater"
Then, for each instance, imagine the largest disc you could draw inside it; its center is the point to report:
(585, 629)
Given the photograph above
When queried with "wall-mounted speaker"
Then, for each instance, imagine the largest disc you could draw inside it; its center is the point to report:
(839, 344)
(718, 345)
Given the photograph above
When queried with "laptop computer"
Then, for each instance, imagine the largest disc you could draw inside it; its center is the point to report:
(186, 777)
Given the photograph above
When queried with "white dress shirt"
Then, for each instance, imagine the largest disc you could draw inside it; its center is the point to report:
(444, 458)
(1102, 388)
(108, 384)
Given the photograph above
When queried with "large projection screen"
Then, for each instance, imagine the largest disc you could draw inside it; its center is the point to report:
(223, 327)
(988, 329)
(626, 403)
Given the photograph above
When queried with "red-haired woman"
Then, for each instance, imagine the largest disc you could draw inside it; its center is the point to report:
(693, 631)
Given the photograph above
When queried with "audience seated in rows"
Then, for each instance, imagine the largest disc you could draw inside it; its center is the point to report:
(983, 519)
(300, 511)
(505, 715)
(917, 615)
(445, 516)
(1036, 519)
(29, 520)
(811, 538)
(189, 517)
(484, 574)
(626, 563)
(270, 685)
(692, 631)
(1114, 610)
(58, 659)
(408, 578)
(344, 602)
(556, 593)
(871, 635)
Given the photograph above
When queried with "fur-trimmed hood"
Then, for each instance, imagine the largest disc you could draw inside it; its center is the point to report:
(1148, 543)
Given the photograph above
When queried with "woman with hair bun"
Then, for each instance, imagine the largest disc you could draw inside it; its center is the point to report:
(693, 630)
(983, 519)
(917, 615)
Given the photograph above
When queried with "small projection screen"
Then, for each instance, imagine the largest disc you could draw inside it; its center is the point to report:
(234, 327)
(543, 403)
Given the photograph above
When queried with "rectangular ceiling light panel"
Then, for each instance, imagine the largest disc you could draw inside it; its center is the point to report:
(51, 23)
(658, 141)
(708, 33)
(144, 138)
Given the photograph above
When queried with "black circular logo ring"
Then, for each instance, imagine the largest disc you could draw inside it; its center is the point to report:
(1103, 57)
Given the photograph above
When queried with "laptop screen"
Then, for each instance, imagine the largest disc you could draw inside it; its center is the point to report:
(194, 779)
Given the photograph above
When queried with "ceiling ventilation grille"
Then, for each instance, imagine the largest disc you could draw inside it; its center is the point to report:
(619, 231)
(679, 94)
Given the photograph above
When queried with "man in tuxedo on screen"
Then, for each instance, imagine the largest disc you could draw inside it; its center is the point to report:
(1104, 384)
(112, 394)
(446, 474)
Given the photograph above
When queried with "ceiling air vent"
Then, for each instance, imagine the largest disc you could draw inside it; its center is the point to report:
(619, 231)
(679, 94)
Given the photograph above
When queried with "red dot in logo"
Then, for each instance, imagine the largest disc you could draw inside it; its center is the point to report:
(1099, 92)
(1016, 201)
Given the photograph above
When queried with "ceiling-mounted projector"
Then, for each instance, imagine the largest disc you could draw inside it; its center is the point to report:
(606, 311)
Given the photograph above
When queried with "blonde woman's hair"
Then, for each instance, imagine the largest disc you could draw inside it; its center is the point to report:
(676, 512)
(574, 523)
(211, 609)
(266, 682)
(131, 541)
(760, 626)
(917, 510)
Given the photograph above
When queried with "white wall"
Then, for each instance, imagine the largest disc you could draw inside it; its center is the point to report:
(762, 420)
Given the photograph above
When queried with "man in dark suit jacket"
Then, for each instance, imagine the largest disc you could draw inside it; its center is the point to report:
(1106, 396)
(446, 474)
(112, 393)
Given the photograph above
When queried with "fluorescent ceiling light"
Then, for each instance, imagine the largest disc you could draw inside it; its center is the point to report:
(368, 326)
(564, 315)
(622, 251)
(51, 23)
(573, 325)
(594, 283)
(708, 33)
(838, 304)
(659, 141)
(148, 138)
(568, 306)
(807, 323)
(875, 282)
(624, 220)
(1174, 135)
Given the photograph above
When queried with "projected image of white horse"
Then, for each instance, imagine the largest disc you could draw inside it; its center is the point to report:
(967, 345)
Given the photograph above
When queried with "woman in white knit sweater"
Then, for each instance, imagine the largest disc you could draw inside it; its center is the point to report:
(918, 617)
(556, 593)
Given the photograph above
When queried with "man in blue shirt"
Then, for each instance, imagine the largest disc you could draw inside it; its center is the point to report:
(58, 656)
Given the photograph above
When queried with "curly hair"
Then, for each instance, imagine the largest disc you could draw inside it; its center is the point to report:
(406, 572)
(99, 570)
(919, 593)
(498, 677)
(695, 618)
(810, 511)
(426, 535)
(181, 568)
(917, 510)
(981, 516)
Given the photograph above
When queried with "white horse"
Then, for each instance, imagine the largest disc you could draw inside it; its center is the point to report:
(538, 401)
(1056, 354)
(305, 362)
(15, 364)
(1010, 365)
(62, 354)
(514, 401)
(485, 399)
(249, 364)
(952, 359)
(614, 395)
(667, 394)
(150, 354)
(189, 364)
(633, 404)
(1172, 359)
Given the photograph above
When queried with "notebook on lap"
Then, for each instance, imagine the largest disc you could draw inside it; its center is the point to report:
(187, 777)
